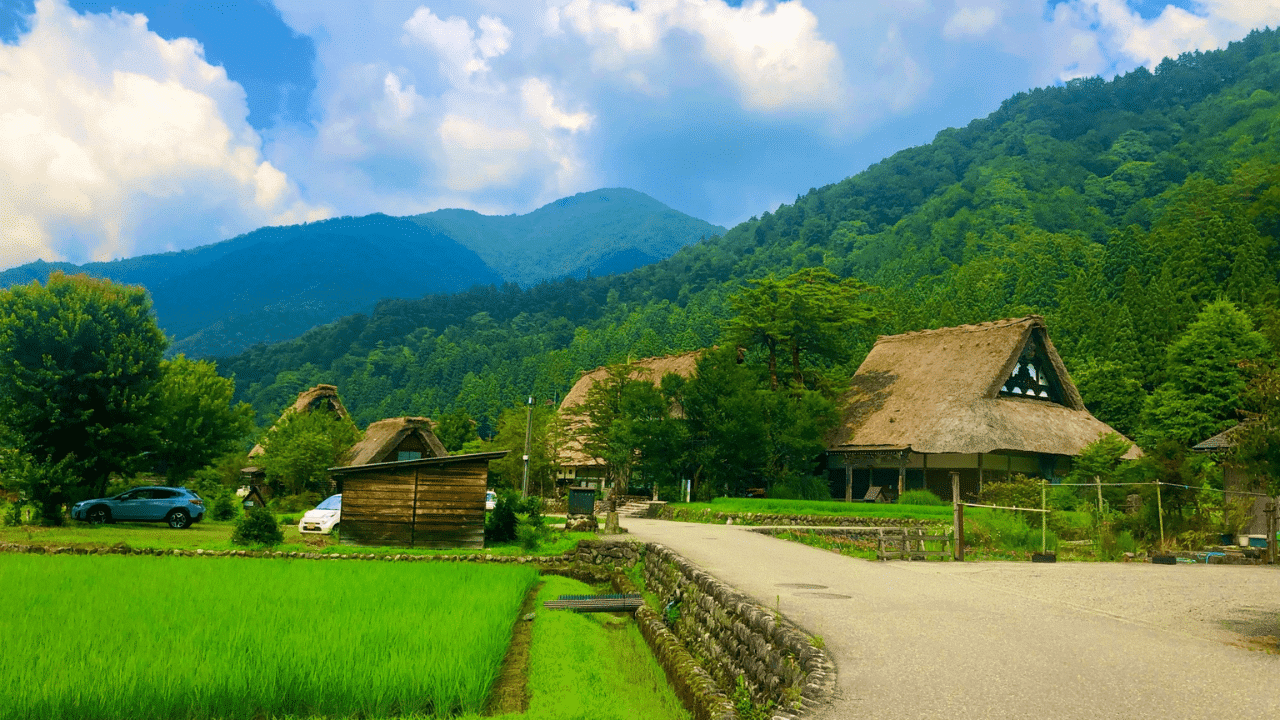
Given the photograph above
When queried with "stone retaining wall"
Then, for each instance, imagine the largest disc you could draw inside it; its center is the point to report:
(733, 637)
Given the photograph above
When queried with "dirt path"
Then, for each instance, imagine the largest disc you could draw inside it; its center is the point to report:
(1010, 640)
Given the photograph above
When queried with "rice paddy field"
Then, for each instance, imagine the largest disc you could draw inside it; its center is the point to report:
(159, 637)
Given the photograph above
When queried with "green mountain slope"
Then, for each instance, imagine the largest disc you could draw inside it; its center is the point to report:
(1117, 209)
(275, 283)
(602, 232)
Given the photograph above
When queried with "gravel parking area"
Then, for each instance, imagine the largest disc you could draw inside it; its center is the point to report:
(1227, 603)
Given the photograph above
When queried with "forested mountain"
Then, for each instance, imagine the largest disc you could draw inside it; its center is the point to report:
(275, 283)
(602, 232)
(1119, 209)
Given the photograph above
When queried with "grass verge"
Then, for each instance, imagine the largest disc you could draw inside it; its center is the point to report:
(211, 535)
(704, 512)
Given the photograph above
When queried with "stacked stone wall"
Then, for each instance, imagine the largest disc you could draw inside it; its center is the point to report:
(732, 637)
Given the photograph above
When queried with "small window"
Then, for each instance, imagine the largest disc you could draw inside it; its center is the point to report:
(408, 455)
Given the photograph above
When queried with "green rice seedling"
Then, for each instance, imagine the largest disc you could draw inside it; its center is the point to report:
(816, 507)
(161, 637)
(922, 497)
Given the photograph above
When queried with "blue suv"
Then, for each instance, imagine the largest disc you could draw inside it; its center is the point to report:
(177, 506)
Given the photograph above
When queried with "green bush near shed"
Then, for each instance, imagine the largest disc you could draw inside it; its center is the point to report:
(258, 526)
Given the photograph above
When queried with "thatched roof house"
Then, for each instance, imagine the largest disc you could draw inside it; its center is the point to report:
(395, 439)
(575, 463)
(984, 399)
(321, 397)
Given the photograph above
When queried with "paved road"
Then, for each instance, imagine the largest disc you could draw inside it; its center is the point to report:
(940, 640)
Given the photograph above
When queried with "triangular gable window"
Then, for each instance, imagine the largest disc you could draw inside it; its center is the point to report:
(1033, 375)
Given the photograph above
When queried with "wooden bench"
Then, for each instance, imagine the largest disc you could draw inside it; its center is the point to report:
(596, 603)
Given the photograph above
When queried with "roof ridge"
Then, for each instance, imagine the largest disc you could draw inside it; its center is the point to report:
(957, 329)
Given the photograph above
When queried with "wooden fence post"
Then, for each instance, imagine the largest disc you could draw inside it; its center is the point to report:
(1160, 512)
(848, 479)
(959, 515)
(1098, 481)
(1043, 516)
(1271, 531)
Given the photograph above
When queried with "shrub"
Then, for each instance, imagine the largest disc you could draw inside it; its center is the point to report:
(500, 525)
(1019, 491)
(1005, 530)
(920, 497)
(801, 487)
(516, 518)
(1064, 498)
(257, 526)
(300, 502)
(530, 531)
(224, 507)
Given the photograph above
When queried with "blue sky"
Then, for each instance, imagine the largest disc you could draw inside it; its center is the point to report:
(131, 127)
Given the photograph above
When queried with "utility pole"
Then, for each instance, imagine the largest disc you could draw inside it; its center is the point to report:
(528, 431)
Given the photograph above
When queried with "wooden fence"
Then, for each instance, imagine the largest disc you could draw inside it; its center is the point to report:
(910, 544)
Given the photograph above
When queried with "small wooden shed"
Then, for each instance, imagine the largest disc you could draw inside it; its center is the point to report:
(435, 502)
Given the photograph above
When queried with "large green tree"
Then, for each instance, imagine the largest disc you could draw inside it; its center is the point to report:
(79, 360)
(455, 429)
(510, 436)
(194, 417)
(811, 312)
(302, 446)
(1201, 394)
(606, 433)
(743, 434)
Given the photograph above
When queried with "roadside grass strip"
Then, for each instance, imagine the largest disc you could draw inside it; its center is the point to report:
(99, 637)
(769, 506)
(211, 535)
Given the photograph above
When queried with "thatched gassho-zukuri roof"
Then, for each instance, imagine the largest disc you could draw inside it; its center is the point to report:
(382, 437)
(320, 397)
(650, 369)
(939, 391)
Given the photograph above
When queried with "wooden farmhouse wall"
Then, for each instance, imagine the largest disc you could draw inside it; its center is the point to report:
(427, 503)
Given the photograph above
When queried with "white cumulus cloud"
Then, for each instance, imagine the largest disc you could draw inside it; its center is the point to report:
(773, 54)
(971, 21)
(114, 142)
(1090, 37)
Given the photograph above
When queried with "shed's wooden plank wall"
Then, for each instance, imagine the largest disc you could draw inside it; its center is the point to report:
(438, 506)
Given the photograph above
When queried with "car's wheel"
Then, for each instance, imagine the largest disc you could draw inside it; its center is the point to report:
(178, 519)
(99, 515)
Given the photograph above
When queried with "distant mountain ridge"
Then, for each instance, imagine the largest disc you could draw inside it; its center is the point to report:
(602, 232)
(275, 283)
